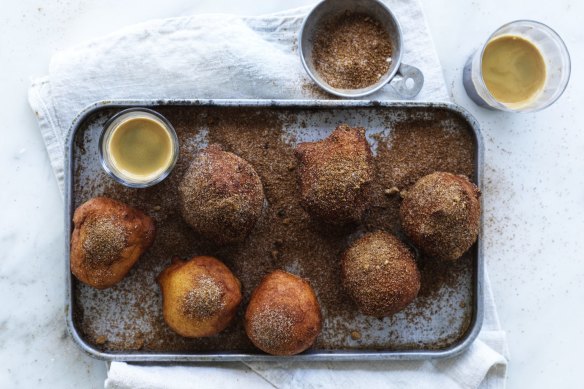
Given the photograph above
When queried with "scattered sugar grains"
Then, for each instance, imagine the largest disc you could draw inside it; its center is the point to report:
(104, 240)
(204, 300)
(273, 327)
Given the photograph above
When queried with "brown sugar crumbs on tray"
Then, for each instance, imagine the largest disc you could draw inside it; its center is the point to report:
(352, 51)
(285, 236)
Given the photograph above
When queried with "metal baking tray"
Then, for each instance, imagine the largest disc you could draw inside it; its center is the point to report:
(128, 323)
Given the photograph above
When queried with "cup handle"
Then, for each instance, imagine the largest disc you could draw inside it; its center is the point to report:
(401, 84)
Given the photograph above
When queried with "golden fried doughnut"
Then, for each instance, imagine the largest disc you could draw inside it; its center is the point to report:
(283, 316)
(108, 238)
(200, 296)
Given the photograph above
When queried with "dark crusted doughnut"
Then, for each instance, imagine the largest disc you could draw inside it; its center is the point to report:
(335, 175)
(380, 274)
(221, 196)
(441, 215)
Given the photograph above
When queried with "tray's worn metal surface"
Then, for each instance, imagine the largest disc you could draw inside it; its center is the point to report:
(442, 326)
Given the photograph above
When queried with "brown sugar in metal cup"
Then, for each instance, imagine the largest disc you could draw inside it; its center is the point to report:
(352, 48)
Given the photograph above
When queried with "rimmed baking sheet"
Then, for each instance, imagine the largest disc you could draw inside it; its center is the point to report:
(409, 140)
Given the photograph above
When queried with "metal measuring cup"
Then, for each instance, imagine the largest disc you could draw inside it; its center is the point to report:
(406, 80)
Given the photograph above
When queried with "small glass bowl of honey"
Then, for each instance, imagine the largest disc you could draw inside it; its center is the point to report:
(138, 147)
(524, 66)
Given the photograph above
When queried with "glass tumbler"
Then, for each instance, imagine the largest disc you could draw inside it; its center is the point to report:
(555, 55)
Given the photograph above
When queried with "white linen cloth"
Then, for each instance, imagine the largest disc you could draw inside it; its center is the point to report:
(227, 56)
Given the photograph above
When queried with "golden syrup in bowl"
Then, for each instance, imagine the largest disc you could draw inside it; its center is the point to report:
(138, 147)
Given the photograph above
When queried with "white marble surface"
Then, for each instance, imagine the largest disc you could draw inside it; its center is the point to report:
(534, 191)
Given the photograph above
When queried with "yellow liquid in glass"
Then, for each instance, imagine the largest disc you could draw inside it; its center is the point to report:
(140, 148)
(514, 70)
